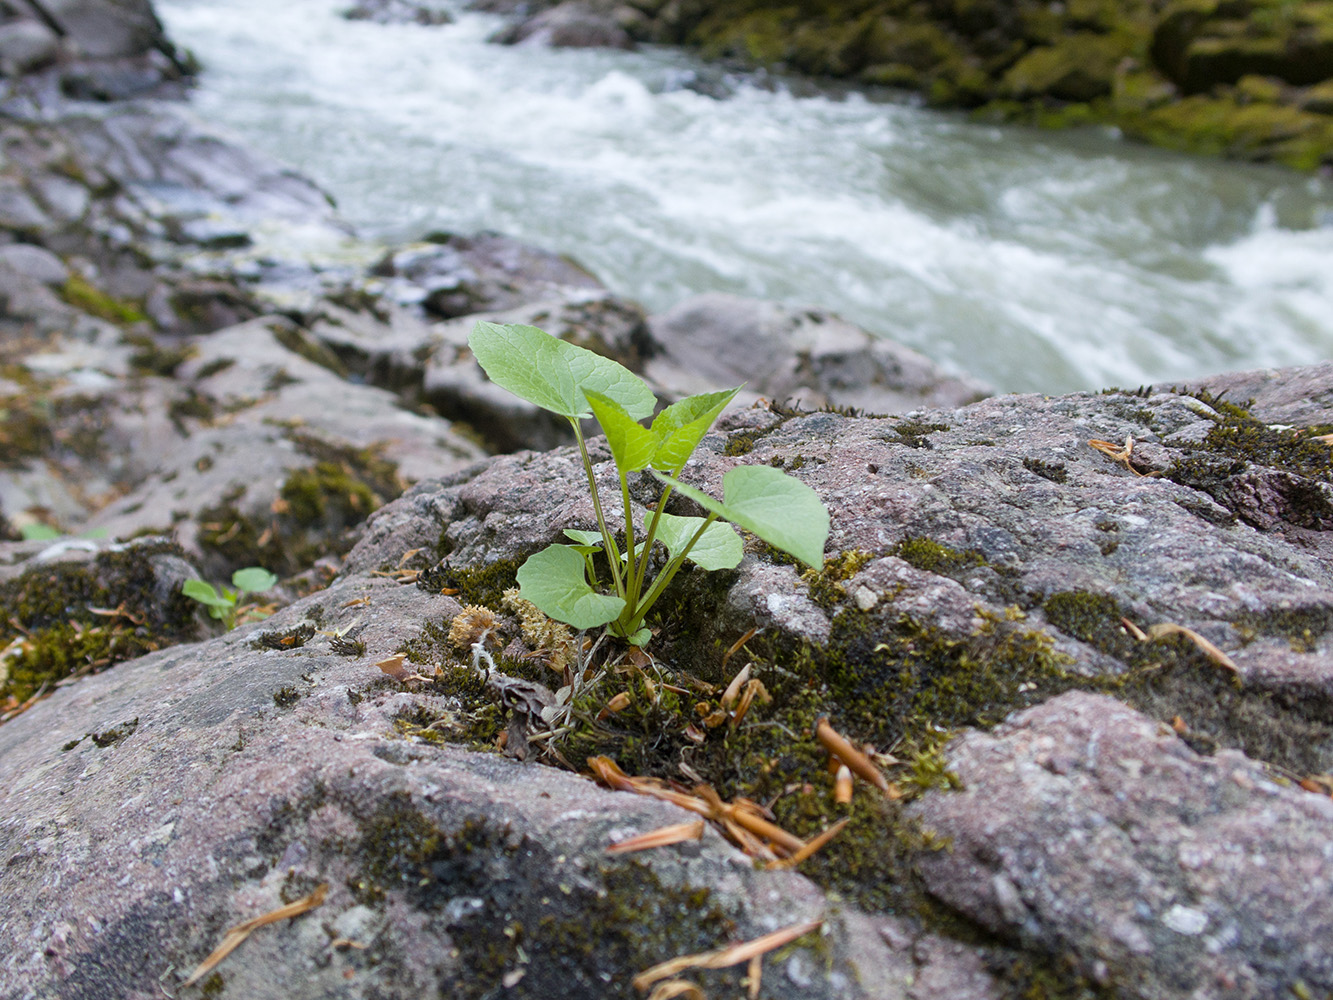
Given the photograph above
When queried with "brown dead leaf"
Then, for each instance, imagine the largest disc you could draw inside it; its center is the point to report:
(233, 938)
(393, 666)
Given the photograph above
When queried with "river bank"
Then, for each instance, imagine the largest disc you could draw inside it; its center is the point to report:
(1249, 80)
(1087, 639)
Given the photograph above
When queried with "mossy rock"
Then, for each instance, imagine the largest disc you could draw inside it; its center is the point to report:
(1222, 126)
(1080, 67)
(82, 294)
(1317, 99)
(79, 617)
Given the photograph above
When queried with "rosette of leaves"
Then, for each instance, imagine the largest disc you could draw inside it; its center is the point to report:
(578, 384)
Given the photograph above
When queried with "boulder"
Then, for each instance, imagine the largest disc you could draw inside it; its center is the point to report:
(398, 12)
(983, 559)
(1085, 829)
(570, 25)
(107, 29)
(453, 275)
(807, 357)
(229, 778)
(25, 46)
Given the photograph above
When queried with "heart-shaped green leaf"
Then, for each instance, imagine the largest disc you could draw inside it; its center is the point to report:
(552, 374)
(203, 592)
(632, 445)
(681, 426)
(554, 580)
(781, 510)
(253, 580)
(718, 548)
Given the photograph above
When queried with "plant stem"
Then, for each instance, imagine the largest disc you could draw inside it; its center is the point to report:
(631, 593)
(664, 578)
(652, 536)
(612, 553)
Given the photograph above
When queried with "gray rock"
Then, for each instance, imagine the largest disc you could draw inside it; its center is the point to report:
(34, 262)
(1087, 829)
(571, 25)
(398, 12)
(807, 357)
(25, 46)
(454, 275)
(246, 418)
(225, 779)
(108, 28)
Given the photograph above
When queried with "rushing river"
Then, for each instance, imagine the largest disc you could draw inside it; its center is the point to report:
(1037, 261)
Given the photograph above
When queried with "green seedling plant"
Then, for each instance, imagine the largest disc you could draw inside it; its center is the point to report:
(226, 606)
(577, 384)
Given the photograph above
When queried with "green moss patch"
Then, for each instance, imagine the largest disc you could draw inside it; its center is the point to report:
(82, 294)
(69, 619)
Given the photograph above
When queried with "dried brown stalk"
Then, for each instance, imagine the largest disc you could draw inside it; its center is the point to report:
(723, 958)
(858, 762)
(233, 938)
(661, 837)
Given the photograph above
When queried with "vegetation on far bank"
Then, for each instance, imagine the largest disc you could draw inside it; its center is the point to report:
(1248, 79)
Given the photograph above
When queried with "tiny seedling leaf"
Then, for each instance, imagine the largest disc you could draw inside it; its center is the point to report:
(552, 374)
(780, 509)
(253, 580)
(203, 592)
(681, 426)
(718, 548)
(632, 445)
(554, 580)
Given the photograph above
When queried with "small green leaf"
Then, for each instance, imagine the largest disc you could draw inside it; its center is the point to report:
(38, 532)
(780, 509)
(584, 537)
(641, 637)
(203, 592)
(554, 580)
(719, 547)
(632, 445)
(253, 580)
(552, 374)
(681, 426)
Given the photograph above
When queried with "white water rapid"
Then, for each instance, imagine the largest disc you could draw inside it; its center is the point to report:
(1037, 261)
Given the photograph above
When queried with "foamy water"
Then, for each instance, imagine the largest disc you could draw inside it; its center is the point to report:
(1038, 261)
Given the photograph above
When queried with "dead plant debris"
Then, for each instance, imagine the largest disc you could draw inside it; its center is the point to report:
(233, 938)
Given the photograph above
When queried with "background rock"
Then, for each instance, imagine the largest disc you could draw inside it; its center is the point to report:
(807, 357)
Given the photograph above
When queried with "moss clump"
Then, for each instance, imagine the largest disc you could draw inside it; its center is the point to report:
(930, 556)
(1223, 465)
(1054, 471)
(914, 433)
(739, 444)
(328, 495)
(1172, 678)
(299, 343)
(55, 624)
(320, 503)
(580, 940)
(25, 429)
(79, 292)
(482, 585)
(154, 358)
(826, 586)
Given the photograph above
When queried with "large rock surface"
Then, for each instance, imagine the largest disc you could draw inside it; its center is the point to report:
(1139, 837)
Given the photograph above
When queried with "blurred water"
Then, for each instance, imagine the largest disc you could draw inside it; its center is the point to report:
(1038, 261)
